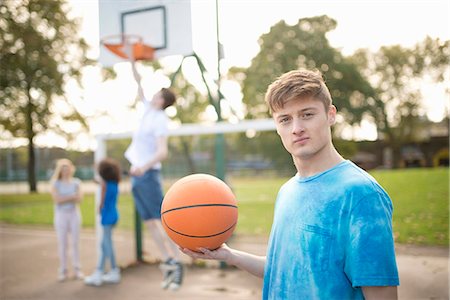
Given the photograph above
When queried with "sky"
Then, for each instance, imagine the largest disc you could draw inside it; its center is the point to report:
(360, 24)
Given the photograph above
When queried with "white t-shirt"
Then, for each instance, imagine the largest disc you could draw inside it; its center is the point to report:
(154, 124)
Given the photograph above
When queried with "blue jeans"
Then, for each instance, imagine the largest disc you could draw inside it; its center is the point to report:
(107, 250)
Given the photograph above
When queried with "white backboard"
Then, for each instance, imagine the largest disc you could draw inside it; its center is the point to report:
(163, 24)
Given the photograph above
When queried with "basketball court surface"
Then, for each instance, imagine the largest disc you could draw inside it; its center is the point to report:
(29, 262)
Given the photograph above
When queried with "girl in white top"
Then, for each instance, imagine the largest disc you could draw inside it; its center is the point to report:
(66, 194)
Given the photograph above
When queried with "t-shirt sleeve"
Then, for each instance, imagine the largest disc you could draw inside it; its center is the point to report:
(370, 254)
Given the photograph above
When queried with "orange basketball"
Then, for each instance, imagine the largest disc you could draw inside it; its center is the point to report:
(199, 211)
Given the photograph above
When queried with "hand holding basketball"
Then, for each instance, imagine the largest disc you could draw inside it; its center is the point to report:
(222, 253)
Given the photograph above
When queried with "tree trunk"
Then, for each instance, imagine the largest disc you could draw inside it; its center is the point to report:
(31, 157)
(396, 156)
(31, 166)
(393, 141)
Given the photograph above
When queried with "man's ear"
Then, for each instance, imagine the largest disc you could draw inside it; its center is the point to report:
(332, 115)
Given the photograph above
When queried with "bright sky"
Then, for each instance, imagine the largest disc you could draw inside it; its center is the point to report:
(361, 24)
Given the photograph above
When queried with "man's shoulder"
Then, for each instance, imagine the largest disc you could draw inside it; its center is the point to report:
(290, 182)
(352, 173)
(157, 113)
(155, 117)
(353, 178)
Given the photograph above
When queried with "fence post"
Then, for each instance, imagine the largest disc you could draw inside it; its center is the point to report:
(138, 235)
(100, 153)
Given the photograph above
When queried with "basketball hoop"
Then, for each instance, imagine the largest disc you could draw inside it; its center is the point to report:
(116, 44)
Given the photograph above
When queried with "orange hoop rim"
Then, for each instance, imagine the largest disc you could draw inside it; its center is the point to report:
(105, 38)
(141, 51)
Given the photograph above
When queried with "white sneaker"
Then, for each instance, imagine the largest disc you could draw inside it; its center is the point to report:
(94, 279)
(79, 274)
(62, 275)
(112, 276)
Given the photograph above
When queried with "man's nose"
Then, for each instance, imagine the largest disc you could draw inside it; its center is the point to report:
(297, 126)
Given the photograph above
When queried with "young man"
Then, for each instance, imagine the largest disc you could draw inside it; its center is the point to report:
(145, 153)
(331, 236)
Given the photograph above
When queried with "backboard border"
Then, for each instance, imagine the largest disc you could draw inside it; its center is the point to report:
(162, 7)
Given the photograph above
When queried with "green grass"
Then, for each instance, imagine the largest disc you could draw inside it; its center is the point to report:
(37, 209)
(420, 198)
(256, 199)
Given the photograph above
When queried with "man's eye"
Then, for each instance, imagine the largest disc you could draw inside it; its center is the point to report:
(307, 115)
(284, 120)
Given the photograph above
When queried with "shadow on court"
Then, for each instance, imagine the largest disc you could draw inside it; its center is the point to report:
(29, 265)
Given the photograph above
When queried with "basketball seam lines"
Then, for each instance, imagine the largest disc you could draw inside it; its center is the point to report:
(198, 236)
(199, 205)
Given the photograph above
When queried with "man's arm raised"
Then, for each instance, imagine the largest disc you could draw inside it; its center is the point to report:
(128, 49)
(253, 264)
(137, 77)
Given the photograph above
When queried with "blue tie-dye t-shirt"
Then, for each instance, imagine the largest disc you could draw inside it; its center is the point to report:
(331, 235)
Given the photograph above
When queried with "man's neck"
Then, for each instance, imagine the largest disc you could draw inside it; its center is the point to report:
(318, 163)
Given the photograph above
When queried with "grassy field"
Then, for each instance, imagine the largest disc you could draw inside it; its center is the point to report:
(421, 204)
(420, 197)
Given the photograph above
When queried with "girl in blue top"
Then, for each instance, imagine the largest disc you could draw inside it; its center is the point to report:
(109, 171)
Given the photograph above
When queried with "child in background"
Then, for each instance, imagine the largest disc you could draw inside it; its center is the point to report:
(109, 171)
(66, 194)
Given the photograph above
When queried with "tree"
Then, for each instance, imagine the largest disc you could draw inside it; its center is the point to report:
(398, 74)
(40, 52)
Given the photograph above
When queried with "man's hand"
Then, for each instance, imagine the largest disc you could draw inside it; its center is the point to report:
(135, 171)
(248, 262)
(222, 253)
(128, 49)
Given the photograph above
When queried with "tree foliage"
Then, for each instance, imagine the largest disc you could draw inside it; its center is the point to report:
(398, 75)
(40, 52)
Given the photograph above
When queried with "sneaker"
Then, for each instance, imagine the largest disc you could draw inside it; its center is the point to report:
(62, 275)
(177, 277)
(94, 279)
(167, 269)
(112, 276)
(79, 274)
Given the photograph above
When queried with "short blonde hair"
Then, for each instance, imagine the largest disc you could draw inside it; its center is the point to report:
(296, 85)
(60, 163)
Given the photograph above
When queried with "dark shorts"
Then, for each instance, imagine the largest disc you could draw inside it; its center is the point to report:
(148, 194)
